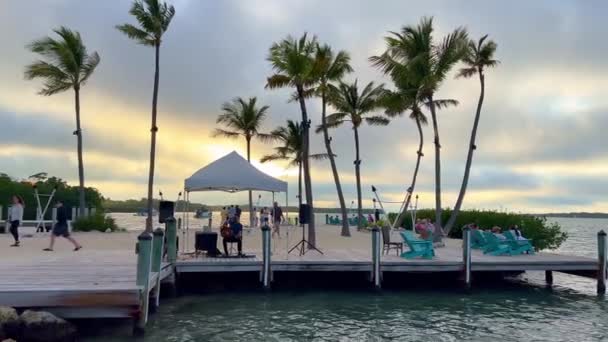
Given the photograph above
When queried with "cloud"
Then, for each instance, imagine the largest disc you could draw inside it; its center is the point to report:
(540, 142)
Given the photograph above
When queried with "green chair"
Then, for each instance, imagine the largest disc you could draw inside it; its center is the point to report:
(418, 247)
(519, 246)
(496, 246)
(478, 241)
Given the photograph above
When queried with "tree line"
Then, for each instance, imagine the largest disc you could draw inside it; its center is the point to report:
(24, 188)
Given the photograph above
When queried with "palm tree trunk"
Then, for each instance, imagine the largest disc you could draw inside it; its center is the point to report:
(413, 184)
(250, 198)
(345, 230)
(467, 169)
(299, 184)
(438, 229)
(153, 131)
(358, 176)
(81, 200)
(306, 165)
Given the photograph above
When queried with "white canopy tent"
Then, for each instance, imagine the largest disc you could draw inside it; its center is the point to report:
(231, 173)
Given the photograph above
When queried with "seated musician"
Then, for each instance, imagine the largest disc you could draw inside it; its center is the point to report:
(233, 233)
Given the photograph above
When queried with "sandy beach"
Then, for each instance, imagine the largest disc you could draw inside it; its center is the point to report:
(328, 237)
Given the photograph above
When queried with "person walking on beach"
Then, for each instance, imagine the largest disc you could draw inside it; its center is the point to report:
(61, 228)
(277, 217)
(15, 217)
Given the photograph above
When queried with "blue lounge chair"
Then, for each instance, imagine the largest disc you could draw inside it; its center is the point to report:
(519, 246)
(496, 246)
(478, 241)
(418, 247)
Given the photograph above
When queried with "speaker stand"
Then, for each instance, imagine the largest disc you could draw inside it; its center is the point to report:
(301, 246)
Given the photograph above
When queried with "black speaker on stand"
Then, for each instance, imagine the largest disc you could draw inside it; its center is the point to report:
(166, 209)
(305, 215)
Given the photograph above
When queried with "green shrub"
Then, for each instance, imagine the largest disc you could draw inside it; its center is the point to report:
(544, 235)
(97, 222)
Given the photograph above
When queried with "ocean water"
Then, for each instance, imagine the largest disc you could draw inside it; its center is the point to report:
(521, 310)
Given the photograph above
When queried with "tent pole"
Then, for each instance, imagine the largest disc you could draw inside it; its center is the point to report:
(185, 242)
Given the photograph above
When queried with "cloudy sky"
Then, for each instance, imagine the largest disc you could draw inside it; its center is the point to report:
(541, 143)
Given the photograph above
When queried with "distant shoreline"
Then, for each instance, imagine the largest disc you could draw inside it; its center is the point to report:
(576, 215)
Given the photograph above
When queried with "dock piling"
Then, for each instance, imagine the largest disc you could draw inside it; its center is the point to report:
(266, 277)
(466, 256)
(601, 269)
(376, 276)
(549, 277)
(144, 264)
(171, 232)
(157, 258)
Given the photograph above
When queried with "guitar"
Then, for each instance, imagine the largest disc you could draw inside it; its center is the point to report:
(226, 231)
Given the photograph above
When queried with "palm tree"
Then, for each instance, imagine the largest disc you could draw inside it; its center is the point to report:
(429, 63)
(154, 18)
(479, 55)
(290, 149)
(407, 98)
(330, 68)
(67, 65)
(293, 63)
(356, 107)
(243, 118)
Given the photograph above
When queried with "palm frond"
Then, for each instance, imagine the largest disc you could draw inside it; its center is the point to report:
(139, 35)
(153, 18)
(218, 132)
(89, 66)
(319, 156)
(66, 63)
(443, 103)
(277, 81)
(273, 157)
(377, 120)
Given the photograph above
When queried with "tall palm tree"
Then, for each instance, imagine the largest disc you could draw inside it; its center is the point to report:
(331, 67)
(406, 98)
(293, 63)
(356, 107)
(480, 55)
(154, 18)
(290, 149)
(66, 65)
(243, 118)
(429, 62)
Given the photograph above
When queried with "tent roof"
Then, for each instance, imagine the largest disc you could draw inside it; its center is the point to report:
(233, 173)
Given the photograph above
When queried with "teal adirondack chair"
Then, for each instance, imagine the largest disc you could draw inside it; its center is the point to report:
(418, 247)
(478, 241)
(495, 246)
(519, 246)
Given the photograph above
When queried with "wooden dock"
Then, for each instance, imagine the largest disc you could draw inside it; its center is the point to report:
(91, 286)
(122, 284)
(448, 259)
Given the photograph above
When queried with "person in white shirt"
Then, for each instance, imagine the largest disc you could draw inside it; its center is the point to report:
(15, 217)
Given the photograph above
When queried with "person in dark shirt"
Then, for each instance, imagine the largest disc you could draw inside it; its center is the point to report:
(61, 228)
(238, 212)
(236, 236)
(277, 218)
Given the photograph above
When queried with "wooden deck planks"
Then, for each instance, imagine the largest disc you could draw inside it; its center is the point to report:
(92, 285)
